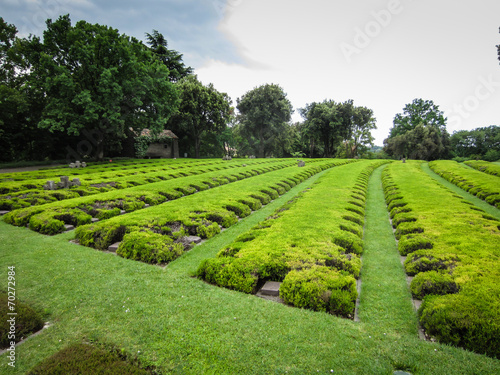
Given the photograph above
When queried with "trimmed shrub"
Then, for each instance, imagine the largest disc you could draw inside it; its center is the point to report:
(149, 247)
(417, 262)
(407, 228)
(467, 319)
(27, 321)
(229, 273)
(350, 242)
(86, 359)
(320, 289)
(433, 282)
(410, 243)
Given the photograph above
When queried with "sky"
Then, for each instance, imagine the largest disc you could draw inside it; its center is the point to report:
(382, 54)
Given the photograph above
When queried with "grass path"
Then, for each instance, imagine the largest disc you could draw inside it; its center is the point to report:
(385, 297)
(486, 207)
(167, 318)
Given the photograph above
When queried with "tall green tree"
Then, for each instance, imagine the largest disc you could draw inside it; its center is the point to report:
(96, 81)
(203, 112)
(264, 113)
(171, 58)
(328, 123)
(415, 113)
(419, 132)
(361, 137)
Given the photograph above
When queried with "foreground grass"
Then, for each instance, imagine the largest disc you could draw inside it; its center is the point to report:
(184, 326)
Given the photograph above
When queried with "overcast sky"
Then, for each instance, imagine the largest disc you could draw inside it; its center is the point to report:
(382, 54)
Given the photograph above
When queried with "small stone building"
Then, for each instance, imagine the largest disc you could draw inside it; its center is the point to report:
(166, 147)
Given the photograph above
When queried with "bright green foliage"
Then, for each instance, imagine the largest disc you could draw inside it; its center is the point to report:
(264, 114)
(313, 232)
(27, 320)
(321, 289)
(477, 183)
(199, 214)
(87, 359)
(149, 247)
(450, 255)
(98, 81)
(202, 110)
(484, 166)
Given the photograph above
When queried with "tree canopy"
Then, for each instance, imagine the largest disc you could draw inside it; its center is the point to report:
(202, 110)
(95, 79)
(264, 113)
(172, 59)
(419, 132)
(419, 111)
(482, 143)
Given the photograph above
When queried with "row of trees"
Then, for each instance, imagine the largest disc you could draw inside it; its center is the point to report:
(88, 89)
(420, 133)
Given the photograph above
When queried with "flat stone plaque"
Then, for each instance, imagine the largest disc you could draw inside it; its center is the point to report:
(114, 247)
(69, 227)
(271, 288)
(194, 239)
(4, 212)
(94, 220)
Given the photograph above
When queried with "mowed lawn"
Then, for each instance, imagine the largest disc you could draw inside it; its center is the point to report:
(181, 325)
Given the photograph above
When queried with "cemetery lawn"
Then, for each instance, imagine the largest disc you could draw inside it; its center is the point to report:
(181, 325)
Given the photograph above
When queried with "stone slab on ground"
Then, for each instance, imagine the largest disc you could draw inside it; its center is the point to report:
(194, 239)
(68, 227)
(114, 247)
(3, 212)
(94, 220)
(271, 288)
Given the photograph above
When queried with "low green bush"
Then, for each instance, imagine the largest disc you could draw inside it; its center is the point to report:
(484, 166)
(320, 289)
(468, 319)
(419, 261)
(149, 247)
(27, 321)
(433, 282)
(83, 358)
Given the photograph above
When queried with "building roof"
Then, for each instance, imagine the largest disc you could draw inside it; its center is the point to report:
(165, 133)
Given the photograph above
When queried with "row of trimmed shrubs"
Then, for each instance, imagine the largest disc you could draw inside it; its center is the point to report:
(51, 218)
(103, 182)
(312, 245)
(484, 166)
(482, 185)
(452, 251)
(158, 235)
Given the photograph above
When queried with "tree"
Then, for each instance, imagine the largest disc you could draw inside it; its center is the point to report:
(263, 114)
(95, 80)
(328, 123)
(498, 49)
(482, 143)
(363, 123)
(172, 59)
(418, 112)
(422, 143)
(420, 132)
(203, 111)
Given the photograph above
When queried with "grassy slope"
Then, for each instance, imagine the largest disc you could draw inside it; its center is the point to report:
(186, 326)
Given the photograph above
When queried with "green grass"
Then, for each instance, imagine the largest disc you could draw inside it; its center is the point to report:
(185, 326)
